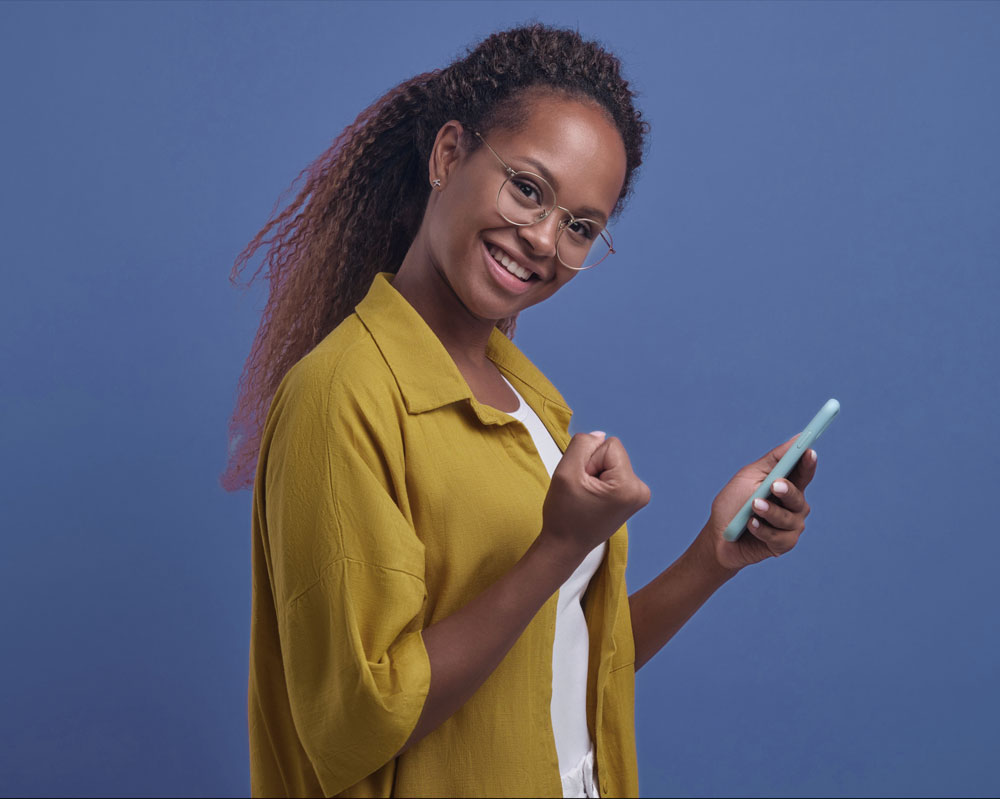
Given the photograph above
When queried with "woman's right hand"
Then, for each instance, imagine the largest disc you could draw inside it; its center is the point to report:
(593, 492)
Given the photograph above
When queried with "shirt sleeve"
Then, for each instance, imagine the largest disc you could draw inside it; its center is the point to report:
(349, 571)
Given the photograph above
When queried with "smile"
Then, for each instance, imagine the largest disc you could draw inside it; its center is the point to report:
(509, 263)
(503, 275)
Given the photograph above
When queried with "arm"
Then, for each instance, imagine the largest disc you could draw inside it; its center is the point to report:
(467, 646)
(363, 677)
(581, 510)
(662, 607)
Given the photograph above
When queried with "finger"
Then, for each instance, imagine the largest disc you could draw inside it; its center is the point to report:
(609, 460)
(788, 495)
(778, 542)
(804, 470)
(778, 517)
(579, 452)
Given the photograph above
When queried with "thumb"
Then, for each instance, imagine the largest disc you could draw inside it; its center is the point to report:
(770, 460)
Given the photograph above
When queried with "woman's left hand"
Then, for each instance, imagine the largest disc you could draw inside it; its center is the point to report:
(778, 525)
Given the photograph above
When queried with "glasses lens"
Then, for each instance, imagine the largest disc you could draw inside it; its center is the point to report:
(525, 198)
(581, 247)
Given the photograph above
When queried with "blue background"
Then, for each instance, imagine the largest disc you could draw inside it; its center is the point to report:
(818, 215)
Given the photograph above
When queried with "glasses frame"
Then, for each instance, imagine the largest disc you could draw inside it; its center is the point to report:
(563, 224)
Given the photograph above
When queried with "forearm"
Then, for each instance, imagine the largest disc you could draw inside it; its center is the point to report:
(467, 646)
(661, 607)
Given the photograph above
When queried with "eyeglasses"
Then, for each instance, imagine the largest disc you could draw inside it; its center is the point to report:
(526, 199)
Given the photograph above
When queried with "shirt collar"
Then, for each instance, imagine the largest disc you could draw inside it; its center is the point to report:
(425, 372)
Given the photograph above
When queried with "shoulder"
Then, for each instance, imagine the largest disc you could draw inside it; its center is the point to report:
(344, 373)
(338, 404)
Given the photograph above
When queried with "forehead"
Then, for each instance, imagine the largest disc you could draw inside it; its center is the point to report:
(575, 143)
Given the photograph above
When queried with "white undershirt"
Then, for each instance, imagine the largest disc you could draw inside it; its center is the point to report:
(571, 647)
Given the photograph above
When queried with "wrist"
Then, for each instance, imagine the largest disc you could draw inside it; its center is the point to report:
(558, 555)
(704, 555)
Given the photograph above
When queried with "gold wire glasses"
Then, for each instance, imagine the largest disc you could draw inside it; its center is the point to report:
(526, 198)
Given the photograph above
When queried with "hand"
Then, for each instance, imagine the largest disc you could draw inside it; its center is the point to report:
(778, 527)
(592, 493)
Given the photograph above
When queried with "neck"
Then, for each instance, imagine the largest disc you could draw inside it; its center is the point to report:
(425, 287)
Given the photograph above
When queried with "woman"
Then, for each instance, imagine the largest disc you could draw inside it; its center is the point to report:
(439, 604)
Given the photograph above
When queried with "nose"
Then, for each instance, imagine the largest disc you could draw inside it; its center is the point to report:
(542, 236)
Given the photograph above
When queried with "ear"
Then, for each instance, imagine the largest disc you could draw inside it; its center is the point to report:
(446, 153)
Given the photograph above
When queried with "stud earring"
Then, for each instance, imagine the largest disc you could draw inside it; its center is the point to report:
(436, 183)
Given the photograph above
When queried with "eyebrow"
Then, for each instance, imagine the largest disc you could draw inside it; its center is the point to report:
(586, 212)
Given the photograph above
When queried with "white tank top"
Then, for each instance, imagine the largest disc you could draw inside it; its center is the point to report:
(571, 647)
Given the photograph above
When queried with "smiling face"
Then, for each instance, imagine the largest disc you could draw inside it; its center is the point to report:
(574, 146)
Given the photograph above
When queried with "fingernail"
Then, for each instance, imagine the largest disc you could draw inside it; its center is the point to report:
(598, 433)
(779, 487)
(815, 455)
(754, 524)
(759, 504)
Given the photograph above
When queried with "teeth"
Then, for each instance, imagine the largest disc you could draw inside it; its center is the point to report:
(501, 258)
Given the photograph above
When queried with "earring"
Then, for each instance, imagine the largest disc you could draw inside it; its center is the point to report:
(436, 183)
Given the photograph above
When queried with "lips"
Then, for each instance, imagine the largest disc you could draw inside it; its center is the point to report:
(506, 280)
(506, 260)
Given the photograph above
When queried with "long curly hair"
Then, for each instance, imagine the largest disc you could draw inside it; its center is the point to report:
(362, 201)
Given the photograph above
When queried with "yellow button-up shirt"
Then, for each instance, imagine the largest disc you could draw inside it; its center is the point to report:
(386, 497)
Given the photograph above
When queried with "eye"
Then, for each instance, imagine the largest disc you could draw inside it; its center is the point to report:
(527, 189)
(582, 228)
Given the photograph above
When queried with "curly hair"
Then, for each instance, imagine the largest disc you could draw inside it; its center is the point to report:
(362, 201)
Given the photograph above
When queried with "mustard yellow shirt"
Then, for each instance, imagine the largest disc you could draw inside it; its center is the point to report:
(386, 497)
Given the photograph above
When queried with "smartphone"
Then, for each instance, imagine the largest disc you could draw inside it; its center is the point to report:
(803, 442)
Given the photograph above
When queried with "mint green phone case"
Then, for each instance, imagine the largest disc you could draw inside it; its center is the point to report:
(803, 441)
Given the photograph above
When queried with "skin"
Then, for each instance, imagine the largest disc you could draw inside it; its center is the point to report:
(594, 489)
(443, 275)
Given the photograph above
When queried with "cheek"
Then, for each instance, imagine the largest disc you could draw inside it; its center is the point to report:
(446, 225)
(476, 207)
(462, 213)
(555, 287)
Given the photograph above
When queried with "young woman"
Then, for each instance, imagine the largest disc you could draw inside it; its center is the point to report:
(439, 603)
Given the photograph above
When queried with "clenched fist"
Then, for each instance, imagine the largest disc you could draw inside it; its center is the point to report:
(593, 493)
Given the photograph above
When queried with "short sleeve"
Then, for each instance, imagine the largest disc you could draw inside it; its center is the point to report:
(348, 570)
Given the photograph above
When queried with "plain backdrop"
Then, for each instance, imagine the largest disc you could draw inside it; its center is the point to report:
(818, 215)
